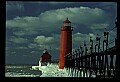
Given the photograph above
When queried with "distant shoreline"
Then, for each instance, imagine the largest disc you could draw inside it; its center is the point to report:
(53, 61)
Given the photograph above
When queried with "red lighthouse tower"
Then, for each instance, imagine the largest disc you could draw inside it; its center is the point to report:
(66, 42)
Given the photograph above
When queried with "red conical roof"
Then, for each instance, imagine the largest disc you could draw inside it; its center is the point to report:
(67, 21)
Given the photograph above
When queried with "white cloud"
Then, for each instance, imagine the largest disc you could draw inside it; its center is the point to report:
(18, 39)
(40, 39)
(32, 52)
(99, 26)
(79, 39)
(47, 42)
(22, 22)
(20, 33)
(44, 40)
(52, 19)
(31, 45)
(21, 48)
(25, 32)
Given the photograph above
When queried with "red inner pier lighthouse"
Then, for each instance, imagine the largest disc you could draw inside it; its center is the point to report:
(66, 42)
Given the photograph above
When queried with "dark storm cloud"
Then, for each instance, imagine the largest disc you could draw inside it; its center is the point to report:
(14, 5)
(34, 8)
(14, 8)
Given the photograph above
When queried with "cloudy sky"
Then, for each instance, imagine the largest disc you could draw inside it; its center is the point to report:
(33, 26)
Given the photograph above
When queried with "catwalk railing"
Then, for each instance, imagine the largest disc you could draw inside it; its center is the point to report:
(101, 63)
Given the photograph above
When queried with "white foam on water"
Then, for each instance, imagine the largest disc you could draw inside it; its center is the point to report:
(9, 74)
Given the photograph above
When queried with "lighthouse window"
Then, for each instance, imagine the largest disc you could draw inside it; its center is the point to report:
(67, 24)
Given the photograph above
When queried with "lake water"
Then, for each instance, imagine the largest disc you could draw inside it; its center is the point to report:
(21, 71)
